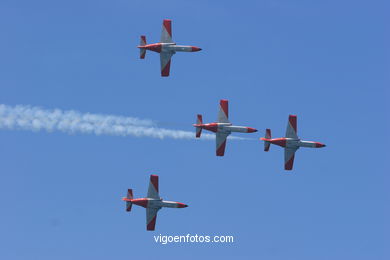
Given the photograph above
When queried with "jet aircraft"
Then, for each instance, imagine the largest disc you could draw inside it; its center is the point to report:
(222, 128)
(166, 47)
(152, 203)
(291, 142)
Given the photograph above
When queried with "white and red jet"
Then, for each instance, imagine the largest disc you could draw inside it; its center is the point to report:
(291, 142)
(153, 203)
(222, 128)
(166, 47)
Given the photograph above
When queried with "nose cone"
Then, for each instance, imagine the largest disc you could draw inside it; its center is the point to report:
(196, 48)
(320, 145)
(251, 130)
(182, 205)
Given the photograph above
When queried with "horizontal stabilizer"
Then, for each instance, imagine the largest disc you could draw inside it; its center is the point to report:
(142, 52)
(199, 121)
(268, 133)
(130, 197)
(267, 136)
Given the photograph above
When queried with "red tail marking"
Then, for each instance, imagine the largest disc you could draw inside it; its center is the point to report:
(225, 106)
(167, 25)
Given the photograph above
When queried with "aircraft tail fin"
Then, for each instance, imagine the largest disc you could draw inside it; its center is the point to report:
(199, 121)
(267, 136)
(129, 197)
(142, 52)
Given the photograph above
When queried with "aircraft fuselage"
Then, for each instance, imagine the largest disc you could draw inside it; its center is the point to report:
(156, 203)
(225, 128)
(293, 143)
(169, 47)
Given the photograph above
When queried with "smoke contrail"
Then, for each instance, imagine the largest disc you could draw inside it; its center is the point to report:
(22, 117)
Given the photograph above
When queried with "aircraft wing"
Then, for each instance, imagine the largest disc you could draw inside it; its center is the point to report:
(223, 113)
(165, 61)
(291, 131)
(153, 187)
(289, 154)
(151, 216)
(166, 34)
(221, 143)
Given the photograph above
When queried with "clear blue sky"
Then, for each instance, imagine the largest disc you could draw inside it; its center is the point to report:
(326, 61)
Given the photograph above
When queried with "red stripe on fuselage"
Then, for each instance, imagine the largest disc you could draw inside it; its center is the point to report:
(156, 47)
(278, 141)
(140, 202)
(213, 127)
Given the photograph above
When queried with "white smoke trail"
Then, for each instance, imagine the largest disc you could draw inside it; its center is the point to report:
(30, 118)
